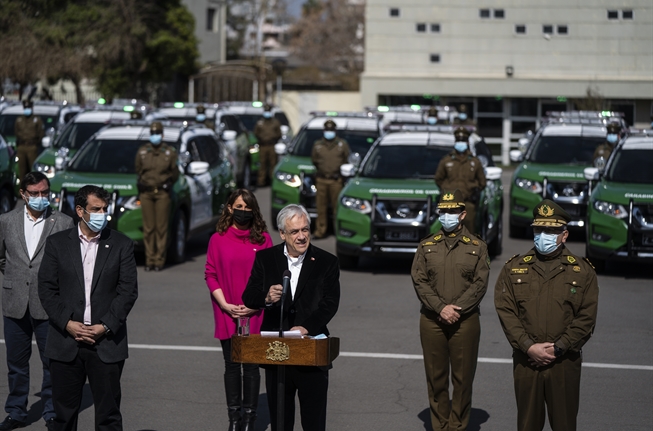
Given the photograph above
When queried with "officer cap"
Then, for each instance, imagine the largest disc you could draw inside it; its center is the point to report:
(267, 107)
(461, 134)
(28, 103)
(549, 214)
(156, 128)
(462, 108)
(200, 109)
(135, 115)
(613, 127)
(451, 200)
(329, 125)
(433, 112)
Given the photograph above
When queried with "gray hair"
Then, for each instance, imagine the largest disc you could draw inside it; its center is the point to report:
(289, 212)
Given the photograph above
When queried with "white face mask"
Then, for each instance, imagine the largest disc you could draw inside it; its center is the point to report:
(449, 221)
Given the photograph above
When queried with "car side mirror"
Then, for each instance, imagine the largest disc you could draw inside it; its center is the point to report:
(45, 142)
(197, 168)
(229, 135)
(591, 174)
(285, 130)
(59, 163)
(347, 170)
(355, 159)
(516, 156)
(280, 148)
(493, 173)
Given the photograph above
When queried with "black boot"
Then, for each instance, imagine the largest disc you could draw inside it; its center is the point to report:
(232, 387)
(250, 401)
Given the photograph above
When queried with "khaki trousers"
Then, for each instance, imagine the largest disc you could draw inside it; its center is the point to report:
(267, 161)
(325, 196)
(27, 154)
(155, 207)
(557, 386)
(446, 346)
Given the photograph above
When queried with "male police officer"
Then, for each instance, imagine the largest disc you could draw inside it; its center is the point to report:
(547, 303)
(156, 167)
(450, 275)
(202, 119)
(29, 132)
(463, 119)
(328, 154)
(432, 116)
(268, 133)
(135, 115)
(605, 149)
(461, 170)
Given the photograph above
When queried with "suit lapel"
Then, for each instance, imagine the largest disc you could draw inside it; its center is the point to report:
(76, 254)
(49, 222)
(104, 248)
(305, 273)
(20, 232)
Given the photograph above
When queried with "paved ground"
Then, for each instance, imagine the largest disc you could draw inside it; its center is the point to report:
(173, 378)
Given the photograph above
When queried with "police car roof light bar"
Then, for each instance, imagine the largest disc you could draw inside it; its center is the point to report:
(344, 114)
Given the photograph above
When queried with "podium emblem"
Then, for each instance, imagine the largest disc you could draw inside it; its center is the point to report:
(277, 351)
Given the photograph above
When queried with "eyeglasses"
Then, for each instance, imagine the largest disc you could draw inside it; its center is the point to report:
(36, 193)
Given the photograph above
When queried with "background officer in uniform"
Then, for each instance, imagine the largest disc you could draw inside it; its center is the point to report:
(547, 303)
(463, 119)
(450, 275)
(135, 115)
(156, 167)
(29, 132)
(202, 119)
(605, 149)
(461, 170)
(328, 154)
(268, 133)
(432, 116)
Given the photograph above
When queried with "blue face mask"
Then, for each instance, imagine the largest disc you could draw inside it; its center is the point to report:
(267, 114)
(97, 221)
(546, 243)
(329, 135)
(156, 139)
(431, 120)
(27, 112)
(461, 147)
(449, 221)
(612, 138)
(39, 203)
(462, 116)
(200, 117)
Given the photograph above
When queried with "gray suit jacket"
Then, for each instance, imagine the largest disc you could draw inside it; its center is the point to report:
(20, 282)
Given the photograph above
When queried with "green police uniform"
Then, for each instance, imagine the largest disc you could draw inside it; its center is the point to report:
(450, 268)
(156, 167)
(328, 156)
(268, 133)
(29, 132)
(547, 299)
(604, 150)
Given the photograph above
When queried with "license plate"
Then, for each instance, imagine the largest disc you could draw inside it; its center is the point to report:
(573, 211)
(401, 234)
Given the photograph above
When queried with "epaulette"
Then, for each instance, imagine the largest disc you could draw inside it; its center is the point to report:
(509, 260)
(431, 239)
(589, 263)
(475, 242)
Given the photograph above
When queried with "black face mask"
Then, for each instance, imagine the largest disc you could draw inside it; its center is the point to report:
(243, 217)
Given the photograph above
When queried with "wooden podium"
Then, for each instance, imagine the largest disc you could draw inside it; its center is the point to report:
(255, 349)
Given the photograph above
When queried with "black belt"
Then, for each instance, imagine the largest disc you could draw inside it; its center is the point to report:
(329, 177)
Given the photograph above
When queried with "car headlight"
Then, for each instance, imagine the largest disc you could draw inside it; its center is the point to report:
(362, 206)
(129, 203)
(48, 170)
(614, 210)
(253, 149)
(55, 197)
(528, 185)
(288, 179)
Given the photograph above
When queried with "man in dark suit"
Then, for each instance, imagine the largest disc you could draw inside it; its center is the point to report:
(311, 303)
(22, 238)
(87, 284)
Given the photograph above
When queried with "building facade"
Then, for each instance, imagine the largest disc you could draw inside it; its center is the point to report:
(210, 28)
(511, 61)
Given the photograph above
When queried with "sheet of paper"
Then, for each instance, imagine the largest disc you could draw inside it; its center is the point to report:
(286, 334)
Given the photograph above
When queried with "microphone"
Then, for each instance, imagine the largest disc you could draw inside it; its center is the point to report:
(285, 283)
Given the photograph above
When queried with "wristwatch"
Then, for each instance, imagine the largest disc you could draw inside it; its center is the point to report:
(106, 329)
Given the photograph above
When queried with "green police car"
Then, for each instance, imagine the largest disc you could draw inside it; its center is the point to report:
(389, 203)
(108, 159)
(294, 176)
(552, 168)
(620, 209)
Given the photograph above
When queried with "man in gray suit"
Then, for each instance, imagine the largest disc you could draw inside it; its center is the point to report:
(88, 286)
(22, 238)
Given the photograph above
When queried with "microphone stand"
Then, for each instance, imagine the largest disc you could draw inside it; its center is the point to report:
(281, 371)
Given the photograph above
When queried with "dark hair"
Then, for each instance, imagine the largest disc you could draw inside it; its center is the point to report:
(81, 197)
(258, 224)
(32, 178)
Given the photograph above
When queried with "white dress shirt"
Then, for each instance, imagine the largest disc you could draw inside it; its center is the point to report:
(295, 267)
(33, 231)
(89, 252)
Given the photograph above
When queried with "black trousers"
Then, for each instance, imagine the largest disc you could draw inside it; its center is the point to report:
(68, 380)
(311, 385)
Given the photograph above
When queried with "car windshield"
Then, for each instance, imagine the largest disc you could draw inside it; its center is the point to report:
(249, 120)
(565, 150)
(631, 166)
(7, 125)
(49, 120)
(403, 161)
(359, 141)
(76, 134)
(108, 156)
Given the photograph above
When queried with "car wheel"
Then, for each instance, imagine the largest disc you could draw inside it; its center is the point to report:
(6, 201)
(347, 261)
(599, 264)
(517, 231)
(177, 252)
(496, 246)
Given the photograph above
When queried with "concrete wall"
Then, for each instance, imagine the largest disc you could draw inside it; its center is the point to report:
(298, 105)
(212, 43)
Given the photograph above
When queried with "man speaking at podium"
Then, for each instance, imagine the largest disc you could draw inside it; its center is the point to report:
(311, 302)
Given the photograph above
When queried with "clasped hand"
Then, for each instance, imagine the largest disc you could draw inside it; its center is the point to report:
(541, 354)
(88, 334)
(236, 311)
(450, 314)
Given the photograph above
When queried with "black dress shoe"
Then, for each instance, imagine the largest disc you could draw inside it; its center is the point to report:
(50, 425)
(11, 424)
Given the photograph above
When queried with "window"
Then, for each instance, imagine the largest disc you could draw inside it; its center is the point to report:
(520, 28)
(420, 27)
(547, 29)
(484, 13)
(613, 14)
(562, 29)
(210, 18)
(435, 58)
(435, 28)
(394, 12)
(499, 13)
(627, 14)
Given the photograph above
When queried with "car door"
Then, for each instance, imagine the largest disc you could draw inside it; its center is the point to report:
(200, 187)
(215, 154)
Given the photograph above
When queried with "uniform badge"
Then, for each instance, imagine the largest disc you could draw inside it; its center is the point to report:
(528, 258)
(545, 211)
(576, 268)
(428, 243)
(571, 259)
(451, 235)
(447, 197)
(507, 261)
(519, 270)
(437, 237)
(573, 290)
(588, 262)
(475, 242)
(466, 239)
(488, 261)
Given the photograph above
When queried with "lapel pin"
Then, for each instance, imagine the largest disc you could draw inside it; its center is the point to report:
(106, 245)
(312, 258)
